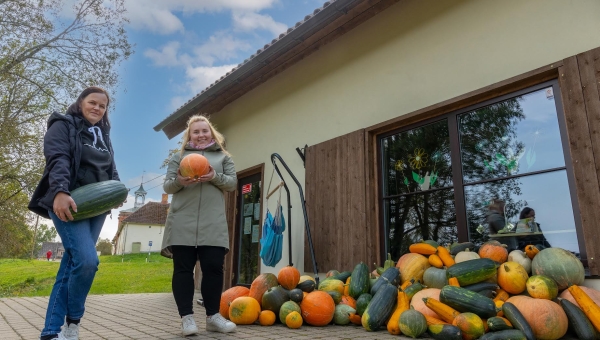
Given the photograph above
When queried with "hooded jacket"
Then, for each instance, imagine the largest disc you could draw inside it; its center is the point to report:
(62, 150)
(197, 213)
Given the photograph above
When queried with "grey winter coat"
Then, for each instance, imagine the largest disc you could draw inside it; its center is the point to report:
(197, 213)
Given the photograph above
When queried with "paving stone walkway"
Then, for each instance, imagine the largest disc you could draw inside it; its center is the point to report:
(151, 316)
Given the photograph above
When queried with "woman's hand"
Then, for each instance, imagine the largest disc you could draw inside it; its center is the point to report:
(209, 176)
(62, 203)
(185, 181)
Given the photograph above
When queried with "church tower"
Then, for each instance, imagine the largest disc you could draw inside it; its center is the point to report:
(140, 197)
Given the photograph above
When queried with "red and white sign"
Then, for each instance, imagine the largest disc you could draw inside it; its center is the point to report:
(246, 188)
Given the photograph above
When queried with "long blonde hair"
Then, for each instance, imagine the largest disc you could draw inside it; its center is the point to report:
(216, 135)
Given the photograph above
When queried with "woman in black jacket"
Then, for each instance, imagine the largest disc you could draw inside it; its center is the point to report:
(78, 152)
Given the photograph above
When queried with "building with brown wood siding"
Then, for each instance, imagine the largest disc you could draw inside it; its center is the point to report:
(416, 116)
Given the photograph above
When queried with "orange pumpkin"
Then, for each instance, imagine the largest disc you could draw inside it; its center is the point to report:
(418, 304)
(356, 319)
(470, 325)
(412, 266)
(349, 301)
(228, 296)
(531, 251)
(546, 318)
(293, 320)
(494, 250)
(317, 308)
(592, 293)
(288, 277)
(266, 318)
(194, 165)
(244, 310)
(512, 277)
(261, 284)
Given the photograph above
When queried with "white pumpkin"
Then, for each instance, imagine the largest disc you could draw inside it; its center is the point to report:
(465, 255)
(521, 258)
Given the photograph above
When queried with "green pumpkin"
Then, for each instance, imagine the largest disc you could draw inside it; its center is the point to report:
(435, 278)
(274, 298)
(341, 316)
(287, 308)
(412, 323)
(560, 265)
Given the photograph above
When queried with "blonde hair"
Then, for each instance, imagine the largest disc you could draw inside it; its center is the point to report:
(216, 135)
(497, 205)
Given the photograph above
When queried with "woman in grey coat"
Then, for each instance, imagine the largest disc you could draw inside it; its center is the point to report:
(196, 227)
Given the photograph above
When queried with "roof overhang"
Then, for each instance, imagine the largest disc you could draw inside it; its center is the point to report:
(325, 25)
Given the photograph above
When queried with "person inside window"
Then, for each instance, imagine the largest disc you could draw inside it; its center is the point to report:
(495, 216)
(527, 223)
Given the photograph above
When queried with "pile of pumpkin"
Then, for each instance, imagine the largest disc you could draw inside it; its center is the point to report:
(444, 292)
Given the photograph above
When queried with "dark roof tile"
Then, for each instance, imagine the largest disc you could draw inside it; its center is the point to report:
(149, 213)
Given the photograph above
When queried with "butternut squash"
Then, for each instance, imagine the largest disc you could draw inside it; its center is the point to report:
(435, 261)
(445, 256)
(422, 248)
(445, 312)
(588, 306)
(402, 304)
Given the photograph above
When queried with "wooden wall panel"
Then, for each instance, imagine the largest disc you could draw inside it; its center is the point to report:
(580, 103)
(230, 211)
(336, 183)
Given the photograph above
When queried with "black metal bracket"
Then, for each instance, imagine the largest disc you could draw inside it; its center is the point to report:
(274, 157)
(302, 154)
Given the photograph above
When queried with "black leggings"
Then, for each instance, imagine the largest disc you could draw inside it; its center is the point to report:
(211, 264)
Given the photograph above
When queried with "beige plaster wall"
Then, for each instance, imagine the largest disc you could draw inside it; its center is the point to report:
(415, 54)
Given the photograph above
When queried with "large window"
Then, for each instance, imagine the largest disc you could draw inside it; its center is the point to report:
(442, 180)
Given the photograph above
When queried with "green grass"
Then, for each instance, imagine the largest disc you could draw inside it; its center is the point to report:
(116, 274)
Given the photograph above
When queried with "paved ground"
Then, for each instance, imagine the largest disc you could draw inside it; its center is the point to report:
(151, 316)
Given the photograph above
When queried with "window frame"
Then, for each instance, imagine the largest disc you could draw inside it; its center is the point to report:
(458, 184)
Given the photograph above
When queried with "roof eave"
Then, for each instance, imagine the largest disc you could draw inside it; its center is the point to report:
(291, 38)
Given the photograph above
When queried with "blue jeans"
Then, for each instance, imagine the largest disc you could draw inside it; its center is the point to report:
(76, 272)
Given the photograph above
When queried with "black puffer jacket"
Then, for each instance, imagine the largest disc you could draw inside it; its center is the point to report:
(62, 149)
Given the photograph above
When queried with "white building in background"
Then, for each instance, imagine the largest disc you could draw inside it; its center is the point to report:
(142, 230)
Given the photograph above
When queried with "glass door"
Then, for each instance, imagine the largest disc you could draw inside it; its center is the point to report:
(248, 230)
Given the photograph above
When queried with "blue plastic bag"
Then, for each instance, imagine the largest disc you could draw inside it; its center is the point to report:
(272, 237)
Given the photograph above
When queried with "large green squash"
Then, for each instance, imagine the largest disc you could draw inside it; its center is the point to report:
(472, 271)
(380, 308)
(97, 198)
(560, 265)
(390, 275)
(359, 282)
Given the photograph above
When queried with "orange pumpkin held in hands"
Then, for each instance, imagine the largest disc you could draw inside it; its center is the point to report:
(194, 165)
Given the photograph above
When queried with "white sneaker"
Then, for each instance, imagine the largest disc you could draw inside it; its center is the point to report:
(70, 332)
(217, 323)
(188, 325)
(59, 336)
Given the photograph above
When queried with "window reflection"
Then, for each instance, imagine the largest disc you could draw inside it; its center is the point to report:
(516, 136)
(548, 194)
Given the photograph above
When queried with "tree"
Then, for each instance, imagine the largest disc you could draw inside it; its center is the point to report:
(46, 60)
(44, 234)
(104, 246)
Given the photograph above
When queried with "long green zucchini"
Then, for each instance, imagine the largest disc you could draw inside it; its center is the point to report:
(472, 271)
(97, 198)
(380, 308)
(578, 321)
(508, 334)
(359, 282)
(512, 313)
(464, 300)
